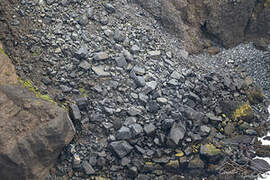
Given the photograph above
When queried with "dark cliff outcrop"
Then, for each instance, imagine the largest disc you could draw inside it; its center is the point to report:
(226, 22)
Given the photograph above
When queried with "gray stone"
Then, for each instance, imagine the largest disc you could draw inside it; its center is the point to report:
(149, 129)
(251, 132)
(139, 80)
(130, 120)
(76, 162)
(133, 171)
(123, 133)
(90, 13)
(83, 21)
(152, 85)
(128, 56)
(196, 163)
(82, 52)
(85, 65)
(75, 112)
(65, 89)
(133, 111)
(188, 151)
(214, 118)
(136, 129)
(167, 124)
(121, 61)
(184, 53)
(177, 133)
(205, 129)
(125, 161)
(109, 33)
(99, 70)
(154, 53)
(229, 129)
(50, 2)
(173, 82)
(135, 49)
(195, 137)
(87, 168)
(82, 103)
(121, 148)
(260, 165)
(101, 56)
(143, 98)
(139, 70)
(191, 114)
(143, 177)
(119, 36)
(109, 8)
(162, 100)
(178, 76)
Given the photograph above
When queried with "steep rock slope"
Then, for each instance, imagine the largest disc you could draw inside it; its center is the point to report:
(226, 22)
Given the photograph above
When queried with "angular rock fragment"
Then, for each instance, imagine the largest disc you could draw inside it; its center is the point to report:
(149, 129)
(260, 165)
(176, 134)
(99, 70)
(196, 163)
(121, 148)
(123, 133)
(100, 56)
(88, 169)
(82, 52)
(75, 112)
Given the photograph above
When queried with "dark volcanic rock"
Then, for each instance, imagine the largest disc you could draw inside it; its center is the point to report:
(226, 22)
(177, 133)
(33, 133)
(260, 165)
(121, 148)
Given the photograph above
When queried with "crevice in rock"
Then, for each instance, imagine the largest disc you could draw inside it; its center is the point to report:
(208, 35)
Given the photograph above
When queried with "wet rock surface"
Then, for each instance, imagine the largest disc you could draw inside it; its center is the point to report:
(142, 106)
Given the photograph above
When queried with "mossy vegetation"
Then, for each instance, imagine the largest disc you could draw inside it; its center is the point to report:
(243, 111)
(3, 52)
(83, 92)
(28, 84)
(266, 3)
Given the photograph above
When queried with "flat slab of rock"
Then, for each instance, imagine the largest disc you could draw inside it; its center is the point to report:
(33, 132)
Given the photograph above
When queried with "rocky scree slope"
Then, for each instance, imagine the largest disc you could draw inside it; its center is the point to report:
(142, 108)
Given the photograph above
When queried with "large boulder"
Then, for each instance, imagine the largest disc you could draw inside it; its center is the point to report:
(33, 132)
(227, 22)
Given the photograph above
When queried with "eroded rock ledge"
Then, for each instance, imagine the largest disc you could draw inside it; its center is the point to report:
(226, 22)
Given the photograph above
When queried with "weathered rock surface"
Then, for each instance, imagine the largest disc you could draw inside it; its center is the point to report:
(33, 132)
(7, 70)
(226, 22)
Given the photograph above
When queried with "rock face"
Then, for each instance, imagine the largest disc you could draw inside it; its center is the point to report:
(7, 70)
(32, 134)
(226, 22)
